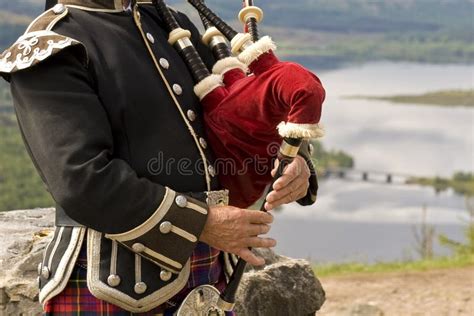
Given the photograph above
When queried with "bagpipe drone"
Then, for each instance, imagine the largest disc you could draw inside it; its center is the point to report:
(244, 115)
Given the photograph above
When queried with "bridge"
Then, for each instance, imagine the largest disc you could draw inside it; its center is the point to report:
(373, 176)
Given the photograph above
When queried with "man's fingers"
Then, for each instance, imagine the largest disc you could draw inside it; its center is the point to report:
(257, 242)
(298, 168)
(291, 172)
(258, 229)
(251, 258)
(291, 187)
(258, 217)
(237, 231)
(291, 197)
(287, 177)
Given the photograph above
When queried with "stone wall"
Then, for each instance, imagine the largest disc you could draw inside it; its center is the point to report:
(284, 287)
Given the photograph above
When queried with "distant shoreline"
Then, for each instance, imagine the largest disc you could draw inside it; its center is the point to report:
(454, 98)
(335, 62)
(461, 183)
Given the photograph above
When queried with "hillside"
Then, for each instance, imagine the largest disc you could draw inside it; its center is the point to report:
(441, 98)
(328, 33)
(5, 97)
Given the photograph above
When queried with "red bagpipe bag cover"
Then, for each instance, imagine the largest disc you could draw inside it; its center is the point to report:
(242, 121)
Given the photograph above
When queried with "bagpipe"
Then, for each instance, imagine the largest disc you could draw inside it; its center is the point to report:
(246, 115)
(250, 102)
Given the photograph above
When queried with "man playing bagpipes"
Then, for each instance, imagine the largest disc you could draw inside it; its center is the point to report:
(107, 107)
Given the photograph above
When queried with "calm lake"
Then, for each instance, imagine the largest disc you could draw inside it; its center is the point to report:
(355, 220)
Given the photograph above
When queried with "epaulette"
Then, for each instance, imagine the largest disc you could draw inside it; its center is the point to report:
(38, 43)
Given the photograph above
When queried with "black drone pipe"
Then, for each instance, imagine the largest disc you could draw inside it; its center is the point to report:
(251, 22)
(225, 29)
(184, 45)
(217, 43)
(205, 22)
(239, 41)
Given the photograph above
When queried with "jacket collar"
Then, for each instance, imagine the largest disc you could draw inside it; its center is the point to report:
(95, 5)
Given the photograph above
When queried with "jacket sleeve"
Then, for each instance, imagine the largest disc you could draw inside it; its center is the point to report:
(69, 138)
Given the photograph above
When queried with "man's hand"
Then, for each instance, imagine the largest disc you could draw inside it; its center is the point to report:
(234, 230)
(291, 186)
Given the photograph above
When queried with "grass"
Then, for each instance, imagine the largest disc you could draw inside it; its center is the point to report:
(442, 98)
(342, 269)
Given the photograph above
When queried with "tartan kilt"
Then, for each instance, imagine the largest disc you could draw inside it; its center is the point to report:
(76, 299)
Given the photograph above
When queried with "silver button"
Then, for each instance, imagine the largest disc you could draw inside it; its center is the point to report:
(150, 38)
(165, 227)
(181, 201)
(45, 272)
(177, 89)
(311, 149)
(113, 280)
(191, 115)
(165, 275)
(203, 142)
(59, 8)
(164, 63)
(140, 287)
(212, 171)
(138, 248)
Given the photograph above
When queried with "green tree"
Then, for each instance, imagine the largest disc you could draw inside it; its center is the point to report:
(20, 185)
(467, 247)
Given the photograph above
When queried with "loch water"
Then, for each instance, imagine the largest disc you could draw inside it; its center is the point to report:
(356, 220)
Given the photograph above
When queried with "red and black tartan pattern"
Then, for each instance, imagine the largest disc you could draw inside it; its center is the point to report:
(76, 299)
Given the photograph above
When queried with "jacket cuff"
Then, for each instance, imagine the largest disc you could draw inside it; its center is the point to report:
(306, 151)
(170, 235)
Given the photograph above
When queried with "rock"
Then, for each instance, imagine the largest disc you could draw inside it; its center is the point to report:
(283, 287)
(24, 236)
(366, 310)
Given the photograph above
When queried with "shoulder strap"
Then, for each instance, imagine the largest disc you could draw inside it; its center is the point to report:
(38, 43)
